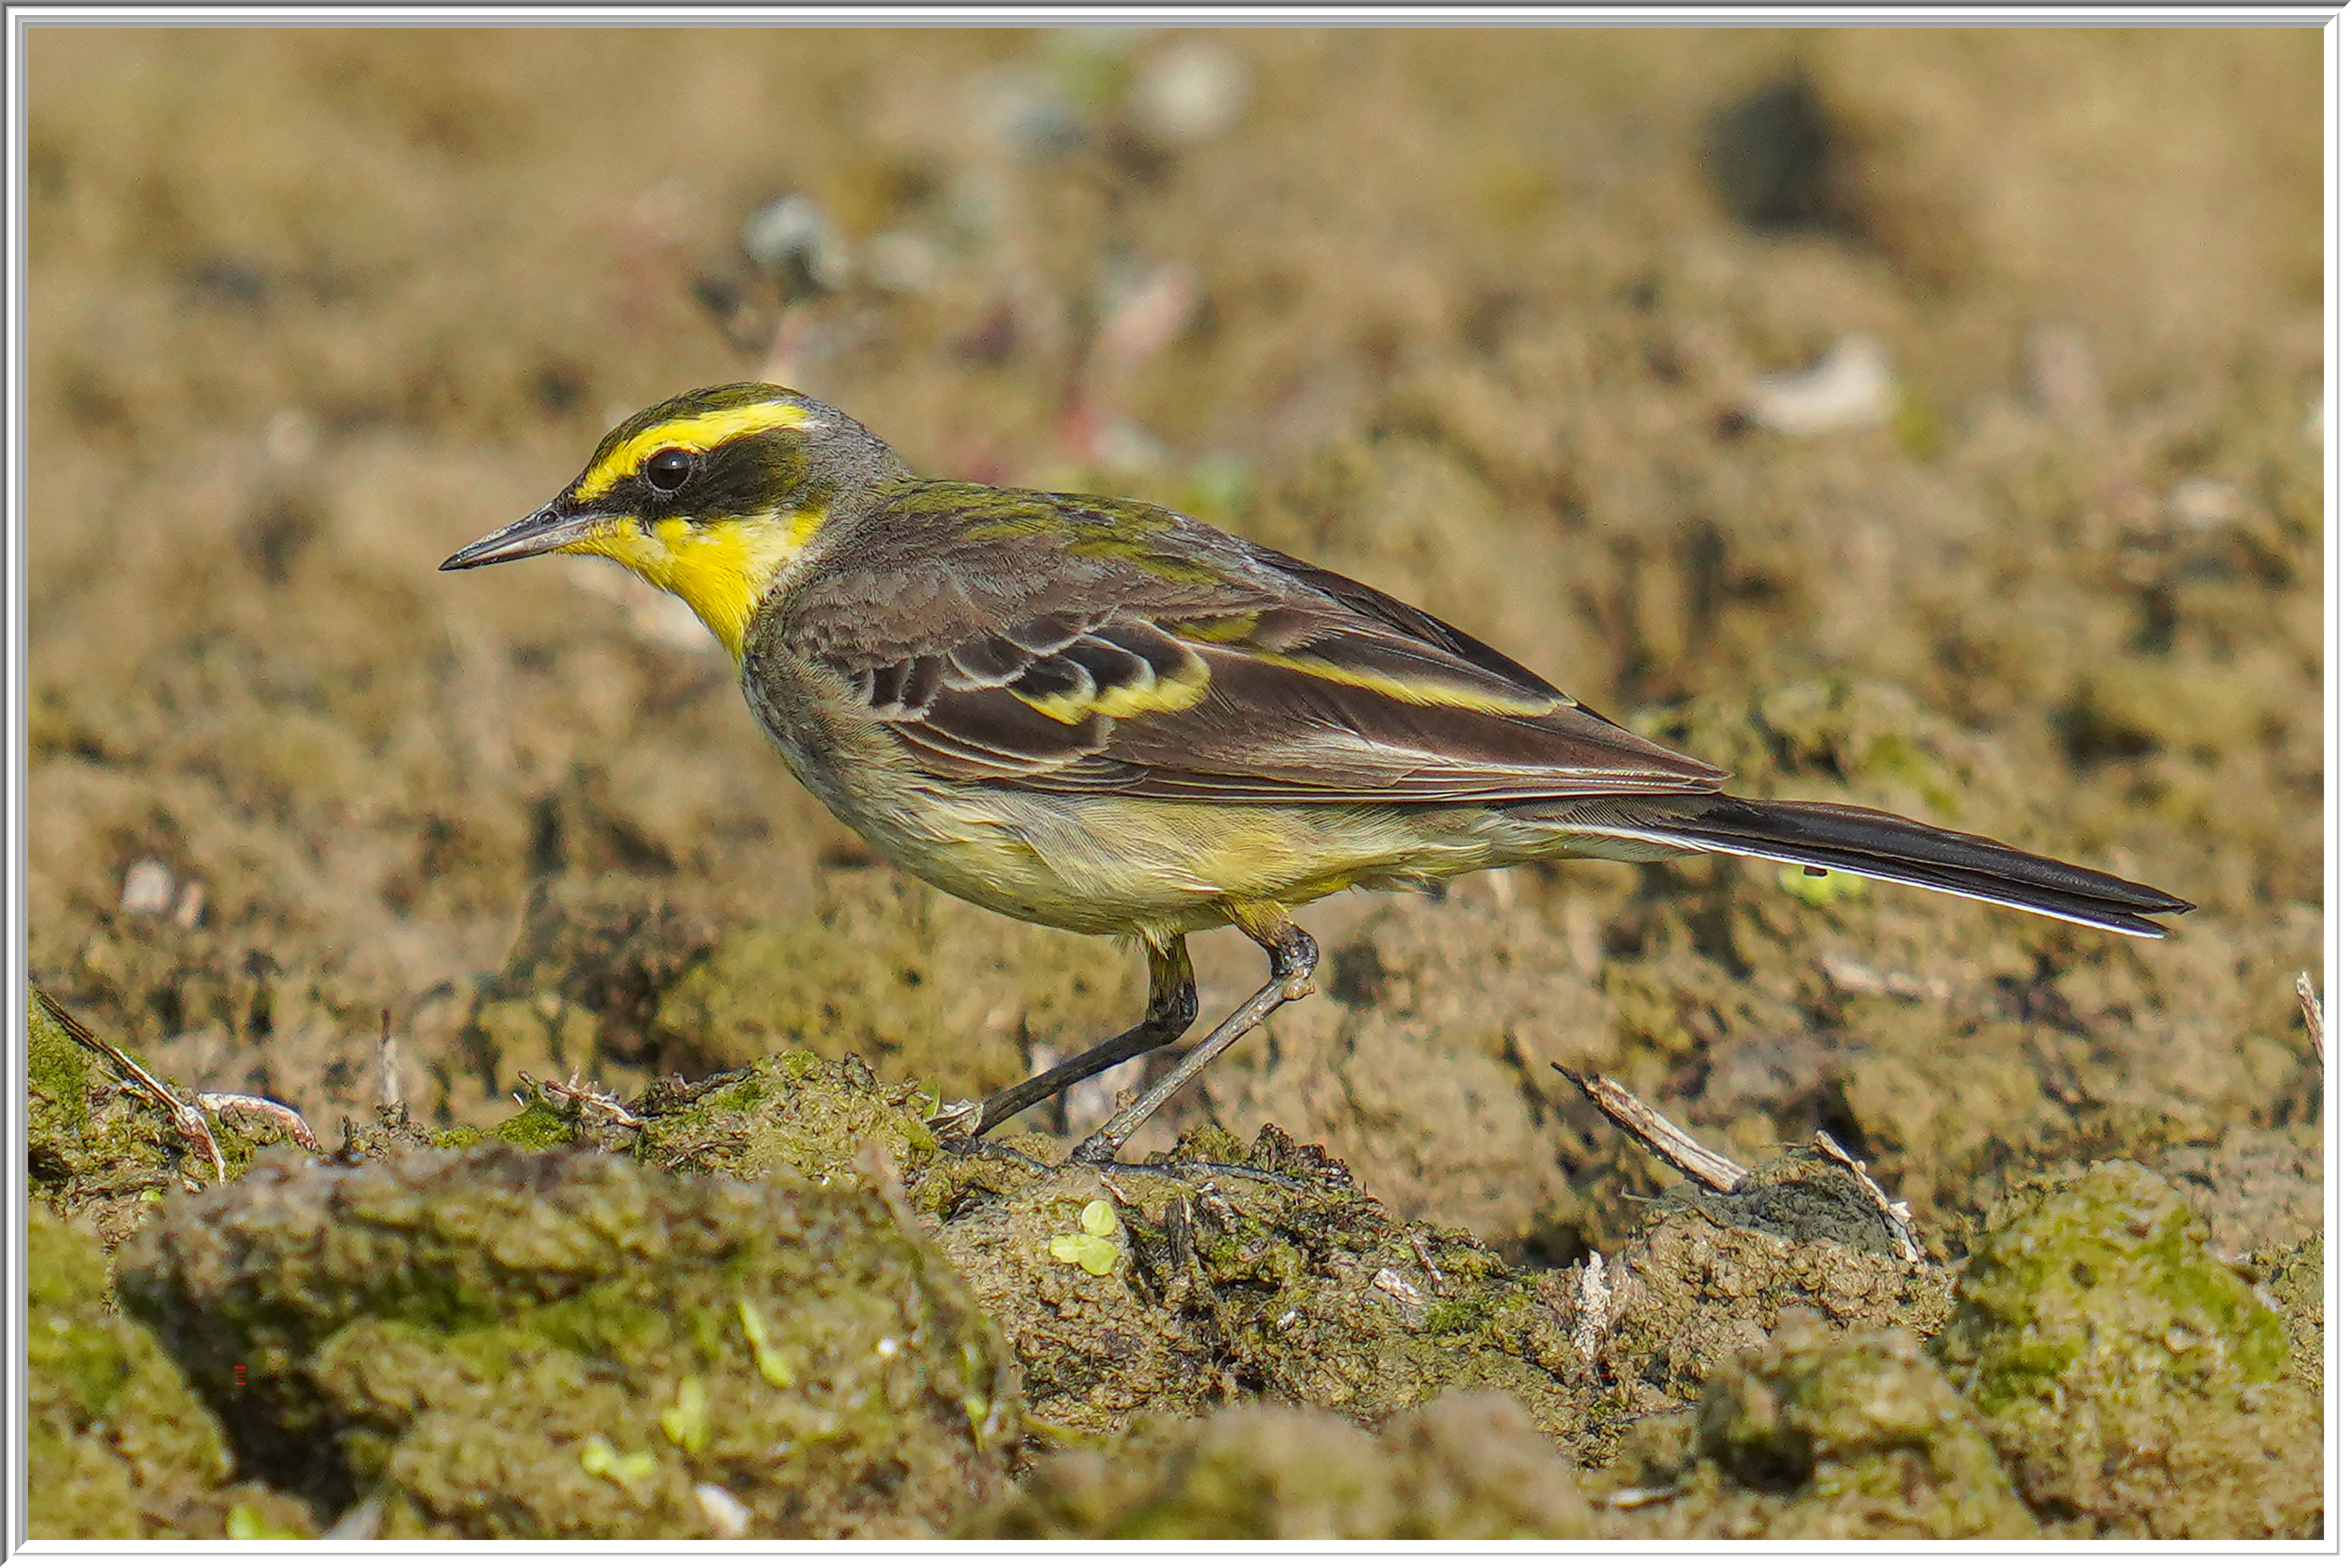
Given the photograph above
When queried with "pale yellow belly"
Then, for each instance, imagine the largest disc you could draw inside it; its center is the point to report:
(1157, 868)
(1114, 865)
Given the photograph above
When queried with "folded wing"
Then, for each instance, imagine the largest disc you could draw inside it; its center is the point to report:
(1128, 650)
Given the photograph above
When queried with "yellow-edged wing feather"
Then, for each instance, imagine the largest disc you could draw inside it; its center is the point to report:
(1064, 643)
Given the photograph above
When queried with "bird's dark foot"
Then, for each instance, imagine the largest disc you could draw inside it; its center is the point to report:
(1095, 1150)
(989, 1148)
(955, 1119)
(955, 1124)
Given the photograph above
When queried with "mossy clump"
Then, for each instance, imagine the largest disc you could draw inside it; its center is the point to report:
(1823, 1436)
(491, 1343)
(790, 1117)
(1466, 1466)
(1262, 1270)
(2133, 1381)
(117, 1445)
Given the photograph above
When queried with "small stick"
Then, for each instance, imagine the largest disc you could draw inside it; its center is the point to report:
(190, 1120)
(2312, 1023)
(565, 1096)
(387, 1063)
(1896, 1213)
(1420, 1250)
(1655, 1133)
(284, 1117)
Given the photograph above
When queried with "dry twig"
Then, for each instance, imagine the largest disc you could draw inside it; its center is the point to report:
(1655, 1133)
(1420, 1250)
(187, 1118)
(2314, 1023)
(576, 1095)
(284, 1118)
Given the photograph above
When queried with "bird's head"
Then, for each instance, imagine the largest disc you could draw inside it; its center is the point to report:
(711, 496)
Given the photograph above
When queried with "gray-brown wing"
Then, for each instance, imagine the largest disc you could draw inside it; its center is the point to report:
(1174, 662)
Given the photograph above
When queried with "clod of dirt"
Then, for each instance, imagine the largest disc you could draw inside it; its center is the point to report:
(2132, 1381)
(1713, 1273)
(2259, 1189)
(1818, 1435)
(492, 1342)
(1277, 1278)
(584, 979)
(117, 1445)
(1465, 1466)
(906, 976)
(2298, 1282)
(1771, 158)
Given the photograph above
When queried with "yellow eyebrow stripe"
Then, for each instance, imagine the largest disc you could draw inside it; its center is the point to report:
(696, 433)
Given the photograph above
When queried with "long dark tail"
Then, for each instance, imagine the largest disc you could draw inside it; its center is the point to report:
(1878, 844)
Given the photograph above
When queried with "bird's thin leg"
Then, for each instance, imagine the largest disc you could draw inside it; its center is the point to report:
(1173, 1007)
(1291, 955)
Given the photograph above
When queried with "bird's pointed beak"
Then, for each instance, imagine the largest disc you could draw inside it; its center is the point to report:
(552, 528)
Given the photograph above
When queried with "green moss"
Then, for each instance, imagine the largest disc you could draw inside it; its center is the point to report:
(1294, 1286)
(791, 1117)
(56, 1071)
(459, 1336)
(98, 1149)
(2128, 1375)
(537, 1126)
(117, 1444)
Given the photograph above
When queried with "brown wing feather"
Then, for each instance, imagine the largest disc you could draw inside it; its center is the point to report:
(1158, 657)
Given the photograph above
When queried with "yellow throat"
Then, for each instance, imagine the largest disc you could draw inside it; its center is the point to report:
(722, 568)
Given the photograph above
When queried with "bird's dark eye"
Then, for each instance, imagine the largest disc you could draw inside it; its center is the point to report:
(666, 470)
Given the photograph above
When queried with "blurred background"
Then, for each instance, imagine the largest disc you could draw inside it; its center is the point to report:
(1924, 418)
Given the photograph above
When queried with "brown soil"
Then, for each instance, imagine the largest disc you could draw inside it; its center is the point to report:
(1466, 315)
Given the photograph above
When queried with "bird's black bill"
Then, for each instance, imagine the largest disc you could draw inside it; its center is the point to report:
(544, 530)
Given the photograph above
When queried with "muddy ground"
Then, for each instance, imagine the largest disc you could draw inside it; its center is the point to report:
(1486, 319)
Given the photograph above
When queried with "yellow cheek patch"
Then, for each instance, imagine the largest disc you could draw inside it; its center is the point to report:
(721, 570)
(1152, 693)
(694, 431)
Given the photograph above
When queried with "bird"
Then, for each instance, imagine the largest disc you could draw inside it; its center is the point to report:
(1101, 715)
